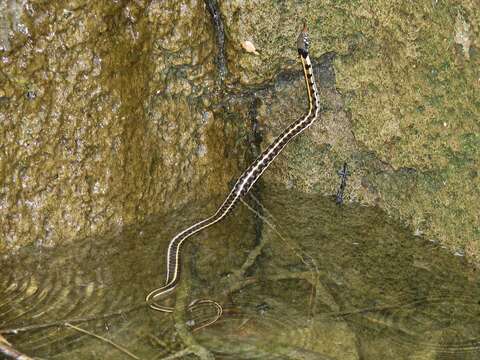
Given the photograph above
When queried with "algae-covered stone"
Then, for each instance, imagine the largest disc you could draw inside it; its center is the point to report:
(414, 102)
(105, 115)
(403, 110)
(113, 111)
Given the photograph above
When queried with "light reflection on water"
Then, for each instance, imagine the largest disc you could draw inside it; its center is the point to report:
(330, 283)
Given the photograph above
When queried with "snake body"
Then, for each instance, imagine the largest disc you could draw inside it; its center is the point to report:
(244, 182)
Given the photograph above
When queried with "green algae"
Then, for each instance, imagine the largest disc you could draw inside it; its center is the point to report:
(113, 111)
(406, 92)
(104, 116)
(421, 106)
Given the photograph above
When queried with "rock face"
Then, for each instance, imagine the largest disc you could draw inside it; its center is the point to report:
(399, 85)
(106, 115)
(112, 111)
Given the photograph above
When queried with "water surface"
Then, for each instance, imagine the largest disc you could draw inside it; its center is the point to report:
(310, 280)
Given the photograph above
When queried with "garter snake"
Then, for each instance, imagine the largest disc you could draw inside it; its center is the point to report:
(242, 185)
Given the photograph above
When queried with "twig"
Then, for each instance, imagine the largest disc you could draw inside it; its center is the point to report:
(192, 346)
(121, 348)
(376, 308)
(318, 292)
(71, 321)
(178, 354)
(279, 234)
(7, 350)
(256, 252)
(3, 340)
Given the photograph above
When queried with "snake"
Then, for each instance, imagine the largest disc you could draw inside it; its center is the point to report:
(241, 187)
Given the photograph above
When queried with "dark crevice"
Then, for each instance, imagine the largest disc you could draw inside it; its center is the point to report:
(255, 144)
(325, 71)
(343, 173)
(221, 60)
(256, 136)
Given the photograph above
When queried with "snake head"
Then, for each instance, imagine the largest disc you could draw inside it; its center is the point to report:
(302, 42)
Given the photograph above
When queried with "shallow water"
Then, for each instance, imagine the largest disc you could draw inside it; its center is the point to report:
(329, 282)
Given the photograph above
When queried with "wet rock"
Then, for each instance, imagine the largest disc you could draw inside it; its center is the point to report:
(117, 128)
(103, 116)
(401, 92)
